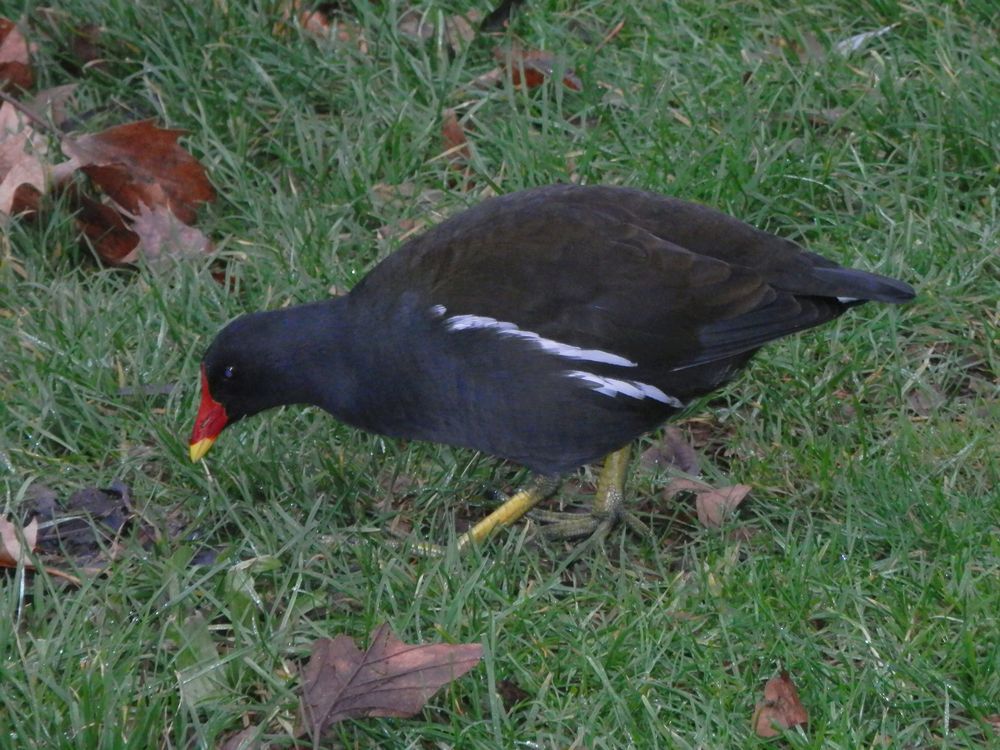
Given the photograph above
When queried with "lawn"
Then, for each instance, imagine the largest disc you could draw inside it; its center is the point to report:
(866, 560)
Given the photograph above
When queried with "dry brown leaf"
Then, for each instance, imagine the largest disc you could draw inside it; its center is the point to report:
(52, 102)
(140, 163)
(22, 187)
(716, 506)
(14, 553)
(391, 678)
(245, 739)
(22, 174)
(459, 29)
(713, 504)
(15, 58)
(488, 80)
(161, 234)
(414, 25)
(106, 230)
(781, 708)
(533, 66)
(322, 24)
(455, 143)
(673, 450)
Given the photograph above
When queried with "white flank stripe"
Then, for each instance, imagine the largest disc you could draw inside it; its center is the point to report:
(631, 388)
(471, 322)
(845, 300)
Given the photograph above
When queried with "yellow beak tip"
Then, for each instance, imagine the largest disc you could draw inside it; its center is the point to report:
(200, 448)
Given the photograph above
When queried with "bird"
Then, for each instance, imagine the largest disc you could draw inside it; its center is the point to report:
(550, 327)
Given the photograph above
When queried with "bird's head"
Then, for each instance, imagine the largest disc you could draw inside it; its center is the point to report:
(241, 374)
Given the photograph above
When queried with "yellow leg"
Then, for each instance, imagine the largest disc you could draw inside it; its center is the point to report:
(607, 511)
(515, 507)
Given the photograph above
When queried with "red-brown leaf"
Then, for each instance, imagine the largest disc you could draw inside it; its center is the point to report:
(391, 678)
(534, 66)
(455, 142)
(781, 708)
(15, 60)
(140, 163)
(107, 231)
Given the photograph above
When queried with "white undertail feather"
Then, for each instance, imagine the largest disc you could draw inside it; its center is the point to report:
(631, 388)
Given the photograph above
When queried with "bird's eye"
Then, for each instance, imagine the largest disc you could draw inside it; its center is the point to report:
(229, 372)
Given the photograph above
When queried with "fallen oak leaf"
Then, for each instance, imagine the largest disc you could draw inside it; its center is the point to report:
(162, 234)
(22, 187)
(673, 450)
(53, 101)
(781, 708)
(14, 552)
(716, 506)
(457, 150)
(106, 230)
(391, 678)
(533, 67)
(22, 173)
(455, 143)
(713, 504)
(140, 163)
(458, 28)
(15, 58)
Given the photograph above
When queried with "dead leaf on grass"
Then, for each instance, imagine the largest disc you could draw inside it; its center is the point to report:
(244, 739)
(106, 230)
(15, 58)
(391, 678)
(162, 235)
(52, 103)
(671, 450)
(12, 551)
(533, 66)
(459, 29)
(15, 547)
(781, 708)
(138, 163)
(22, 173)
(713, 504)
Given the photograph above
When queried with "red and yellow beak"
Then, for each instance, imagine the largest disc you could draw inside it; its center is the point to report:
(209, 422)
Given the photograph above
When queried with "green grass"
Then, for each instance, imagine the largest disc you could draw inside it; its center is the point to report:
(873, 573)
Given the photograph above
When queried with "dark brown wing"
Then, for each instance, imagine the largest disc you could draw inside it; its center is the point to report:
(662, 282)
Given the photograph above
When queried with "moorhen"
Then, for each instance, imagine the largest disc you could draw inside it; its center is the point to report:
(549, 327)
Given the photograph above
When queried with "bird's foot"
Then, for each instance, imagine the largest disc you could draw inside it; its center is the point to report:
(595, 524)
(607, 512)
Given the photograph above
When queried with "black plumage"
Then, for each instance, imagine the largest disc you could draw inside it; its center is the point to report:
(549, 327)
